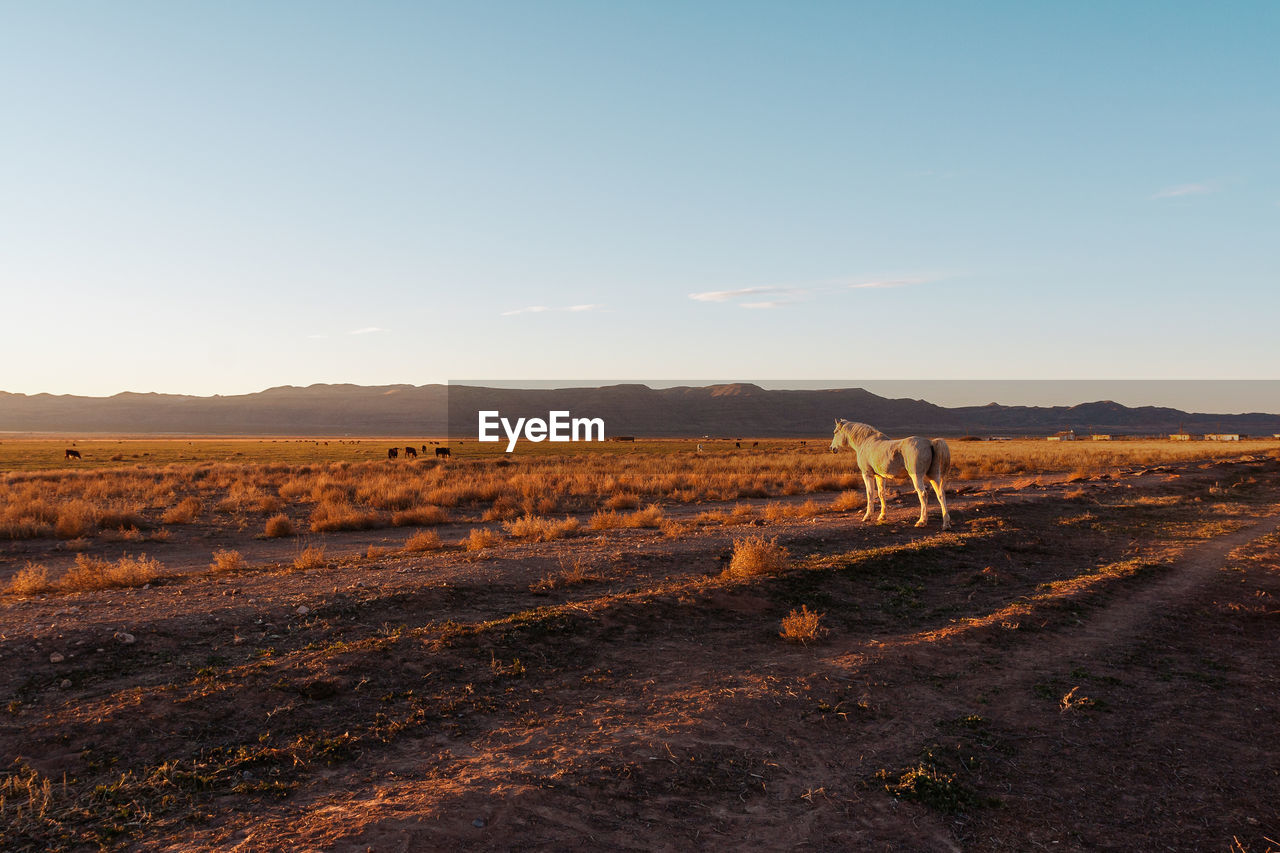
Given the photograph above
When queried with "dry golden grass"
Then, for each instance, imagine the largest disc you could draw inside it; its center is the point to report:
(572, 573)
(423, 540)
(184, 512)
(755, 556)
(31, 579)
(803, 626)
(650, 517)
(672, 529)
(279, 526)
(337, 514)
(624, 490)
(92, 573)
(419, 516)
(740, 514)
(481, 538)
(376, 552)
(120, 514)
(847, 501)
(226, 560)
(781, 511)
(75, 519)
(605, 520)
(311, 557)
(623, 501)
(541, 529)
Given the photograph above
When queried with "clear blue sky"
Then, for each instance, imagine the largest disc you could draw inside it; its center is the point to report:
(218, 197)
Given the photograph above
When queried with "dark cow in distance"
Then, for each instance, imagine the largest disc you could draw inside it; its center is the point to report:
(410, 451)
(73, 454)
(393, 453)
(442, 451)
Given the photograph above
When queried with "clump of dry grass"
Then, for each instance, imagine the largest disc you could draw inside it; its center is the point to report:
(605, 520)
(424, 540)
(184, 512)
(803, 626)
(279, 526)
(332, 515)
(741, 514)
(226, 560)
(311, 557)
(847, 501)
(572, 573)
(481, 538)
(75, 519)
(651, 516)
(420, 516)
(376, 552)
(672, 529)
(31, 579)
(622, 501)
(133, 534)
(541, 529)
(779, 511)
(92, 573)
(756, 555)
(119, 515)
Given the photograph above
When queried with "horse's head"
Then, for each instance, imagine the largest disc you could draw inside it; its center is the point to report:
(839, 439)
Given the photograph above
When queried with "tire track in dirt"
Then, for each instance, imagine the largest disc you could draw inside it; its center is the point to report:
(1128, 617)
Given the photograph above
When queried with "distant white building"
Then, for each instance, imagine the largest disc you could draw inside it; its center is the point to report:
(1066, 435)
(1222, 436)
(1097, 437)
(1179, 436)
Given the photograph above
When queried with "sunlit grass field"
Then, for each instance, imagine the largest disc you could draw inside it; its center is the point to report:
(1016, 457)
(142, 490)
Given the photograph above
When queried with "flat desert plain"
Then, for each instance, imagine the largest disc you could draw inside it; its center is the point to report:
(302, 645)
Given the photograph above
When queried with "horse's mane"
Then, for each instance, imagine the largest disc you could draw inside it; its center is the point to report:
(860, 432)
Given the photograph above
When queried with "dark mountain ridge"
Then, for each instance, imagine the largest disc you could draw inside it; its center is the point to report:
(737, 409)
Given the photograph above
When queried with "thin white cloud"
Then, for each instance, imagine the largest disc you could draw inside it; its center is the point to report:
(789, 295)
(367, 330)
(539, 309)
(728, 295)
(888, 282)
(1187, 189)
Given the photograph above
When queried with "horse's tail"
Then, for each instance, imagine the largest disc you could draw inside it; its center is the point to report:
(941, 462)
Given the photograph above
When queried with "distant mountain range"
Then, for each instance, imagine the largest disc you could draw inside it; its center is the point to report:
(730, 410)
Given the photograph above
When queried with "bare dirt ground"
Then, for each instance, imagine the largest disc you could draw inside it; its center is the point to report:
(1074, 667)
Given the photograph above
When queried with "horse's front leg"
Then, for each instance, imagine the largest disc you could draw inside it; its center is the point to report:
(866, 482)
(880, 489)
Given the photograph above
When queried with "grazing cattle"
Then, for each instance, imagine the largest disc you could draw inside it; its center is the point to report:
(738, 444)
(393, 453)
(73, 454)
(424, 448)
(410, 451)
(442, 451)
(926, 462)
(755, 444)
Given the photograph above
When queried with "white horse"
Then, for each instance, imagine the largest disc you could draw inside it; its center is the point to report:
(879, 456)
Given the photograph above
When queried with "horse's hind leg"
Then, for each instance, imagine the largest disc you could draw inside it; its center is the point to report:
(942, 502)
(880, 489)
(923, 494)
